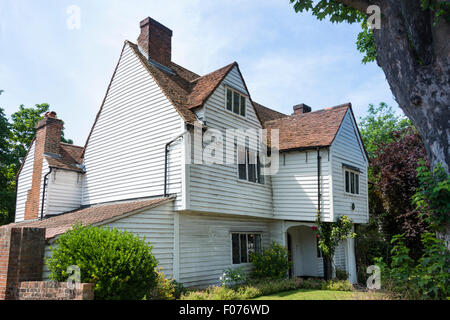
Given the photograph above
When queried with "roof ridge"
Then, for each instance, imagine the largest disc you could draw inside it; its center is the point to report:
(221, 68)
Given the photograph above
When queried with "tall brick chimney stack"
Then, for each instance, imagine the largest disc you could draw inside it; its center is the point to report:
(48, 137)
(156, 41)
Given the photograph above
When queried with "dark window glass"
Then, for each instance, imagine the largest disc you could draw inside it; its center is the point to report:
(357, 183)
(251, 166)
(243, 106)
(236, 99)
(243, 238)
(251, 246)
(258, 170)
(229, 99)
(352, 182)
(258, 248)
(242, 164)
(236, 248)
(347, 182)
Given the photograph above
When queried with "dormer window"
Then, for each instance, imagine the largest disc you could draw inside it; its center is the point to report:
(235, 102)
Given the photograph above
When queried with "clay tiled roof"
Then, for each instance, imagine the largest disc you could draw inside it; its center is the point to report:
(70, 158)
(266, 114)
(184, 88)
(89, 216)
(314, 129)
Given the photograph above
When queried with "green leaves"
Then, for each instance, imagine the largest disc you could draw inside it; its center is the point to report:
(271, 263)
(432, 198)
(428, 278)
(330, 234)
(120, 264)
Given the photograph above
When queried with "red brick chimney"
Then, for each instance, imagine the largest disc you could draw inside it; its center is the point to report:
(48, 137)
(301, 108)
(156, 41)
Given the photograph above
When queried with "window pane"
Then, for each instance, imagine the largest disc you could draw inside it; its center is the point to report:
(242, 166)
(243, 106)
(243, 248)
(347, 182)
(235, 248)
(357, 183)
(236, 102)
(251, 246)
(229, 99)
(352, 182)
(251, 166)
(258, 170)
(258, 248)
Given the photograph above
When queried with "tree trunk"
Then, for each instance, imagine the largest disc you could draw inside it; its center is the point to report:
(327, 268)
(414, 55)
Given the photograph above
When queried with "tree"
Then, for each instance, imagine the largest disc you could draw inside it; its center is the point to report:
(15, 139)
(376, 127)
(395, 183)
(330, 234)
(412, 48)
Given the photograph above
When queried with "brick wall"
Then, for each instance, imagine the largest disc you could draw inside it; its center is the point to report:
(46, 290)
(21, 258)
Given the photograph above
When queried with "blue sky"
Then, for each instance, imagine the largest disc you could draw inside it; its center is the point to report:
(286, 58)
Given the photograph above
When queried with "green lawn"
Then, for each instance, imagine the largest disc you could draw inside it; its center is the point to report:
(310, 294)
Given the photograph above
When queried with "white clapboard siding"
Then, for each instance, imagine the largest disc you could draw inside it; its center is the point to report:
(63, 191)
(295, 186)
(124, 158)
(205, 246)
(24, 184)
(47, 255)
(347, 149)
(156, 226)
(216, 187)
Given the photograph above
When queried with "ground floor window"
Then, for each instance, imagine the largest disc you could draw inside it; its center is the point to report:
(243, 244)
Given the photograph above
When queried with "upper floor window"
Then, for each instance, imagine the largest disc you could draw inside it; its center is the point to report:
(236, 102)
(249, 165)
(351, 181)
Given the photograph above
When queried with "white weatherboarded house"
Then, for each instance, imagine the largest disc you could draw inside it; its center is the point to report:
(139, 172)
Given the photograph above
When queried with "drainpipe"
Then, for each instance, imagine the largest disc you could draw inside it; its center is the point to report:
(43, 192)
(166, 153)
(318, 185)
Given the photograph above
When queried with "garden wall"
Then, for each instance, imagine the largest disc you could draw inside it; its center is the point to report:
(21, 264)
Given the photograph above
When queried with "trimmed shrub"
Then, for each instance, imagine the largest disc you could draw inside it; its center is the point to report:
(120, 264)
(272, 262)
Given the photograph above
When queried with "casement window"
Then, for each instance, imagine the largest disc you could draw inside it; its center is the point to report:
(351, 181)
(249, 166)
(236, 102)
(243, 245)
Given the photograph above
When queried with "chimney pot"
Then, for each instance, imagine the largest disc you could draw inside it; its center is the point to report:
(156, 41)
(301, 108)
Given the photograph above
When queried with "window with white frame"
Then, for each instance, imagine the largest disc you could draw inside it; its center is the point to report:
(351, 181)
(243, 245)
(249, 165)
(235, 102)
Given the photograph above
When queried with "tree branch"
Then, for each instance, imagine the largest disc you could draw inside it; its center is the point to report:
(360, 5)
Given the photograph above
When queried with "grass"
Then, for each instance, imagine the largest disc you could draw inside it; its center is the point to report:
(312, 294)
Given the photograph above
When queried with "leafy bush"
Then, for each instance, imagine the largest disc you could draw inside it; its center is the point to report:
(428, 278)
(341, 274)
(263, 287)
(119, 263)
(166, 289)
(271, 263)
(232, 277)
